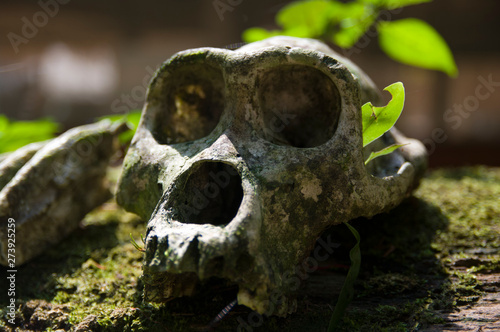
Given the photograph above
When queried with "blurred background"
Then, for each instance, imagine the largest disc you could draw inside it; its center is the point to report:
(77, 60)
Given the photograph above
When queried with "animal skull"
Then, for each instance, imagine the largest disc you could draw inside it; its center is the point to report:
(242, 158)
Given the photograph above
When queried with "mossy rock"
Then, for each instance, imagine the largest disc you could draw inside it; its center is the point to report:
(430, 264)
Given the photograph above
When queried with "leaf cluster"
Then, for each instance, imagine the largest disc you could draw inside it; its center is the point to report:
(14, 135)
(410, 41)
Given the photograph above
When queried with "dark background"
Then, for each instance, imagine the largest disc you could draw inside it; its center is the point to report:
(93, 58)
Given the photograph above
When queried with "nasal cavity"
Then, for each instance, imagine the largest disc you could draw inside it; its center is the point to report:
(212, 195)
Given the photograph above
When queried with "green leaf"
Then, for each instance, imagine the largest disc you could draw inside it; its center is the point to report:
(311, 18)
(14, 135)
(305, 19)
(298, 31)
(377, 120)
(137, 247)
(393, 4)
(347, 292)
(255, 34)
(383, 152)
(414, 42)
(355, 20)
(132, 119)
(4, 122)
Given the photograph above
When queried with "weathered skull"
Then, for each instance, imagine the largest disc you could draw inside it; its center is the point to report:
(242, 158)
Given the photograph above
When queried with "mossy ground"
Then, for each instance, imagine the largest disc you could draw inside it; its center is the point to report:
(421, 262)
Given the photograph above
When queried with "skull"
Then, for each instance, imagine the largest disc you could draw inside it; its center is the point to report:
(241, 160)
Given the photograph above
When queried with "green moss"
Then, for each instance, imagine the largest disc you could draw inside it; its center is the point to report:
(440, 239)
(469, 198)
(418, 260)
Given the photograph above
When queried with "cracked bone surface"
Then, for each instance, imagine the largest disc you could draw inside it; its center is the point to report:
(47, 188)
(241, 160)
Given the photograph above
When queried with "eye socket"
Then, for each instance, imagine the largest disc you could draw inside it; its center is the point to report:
(193, 106)
(300, 106)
